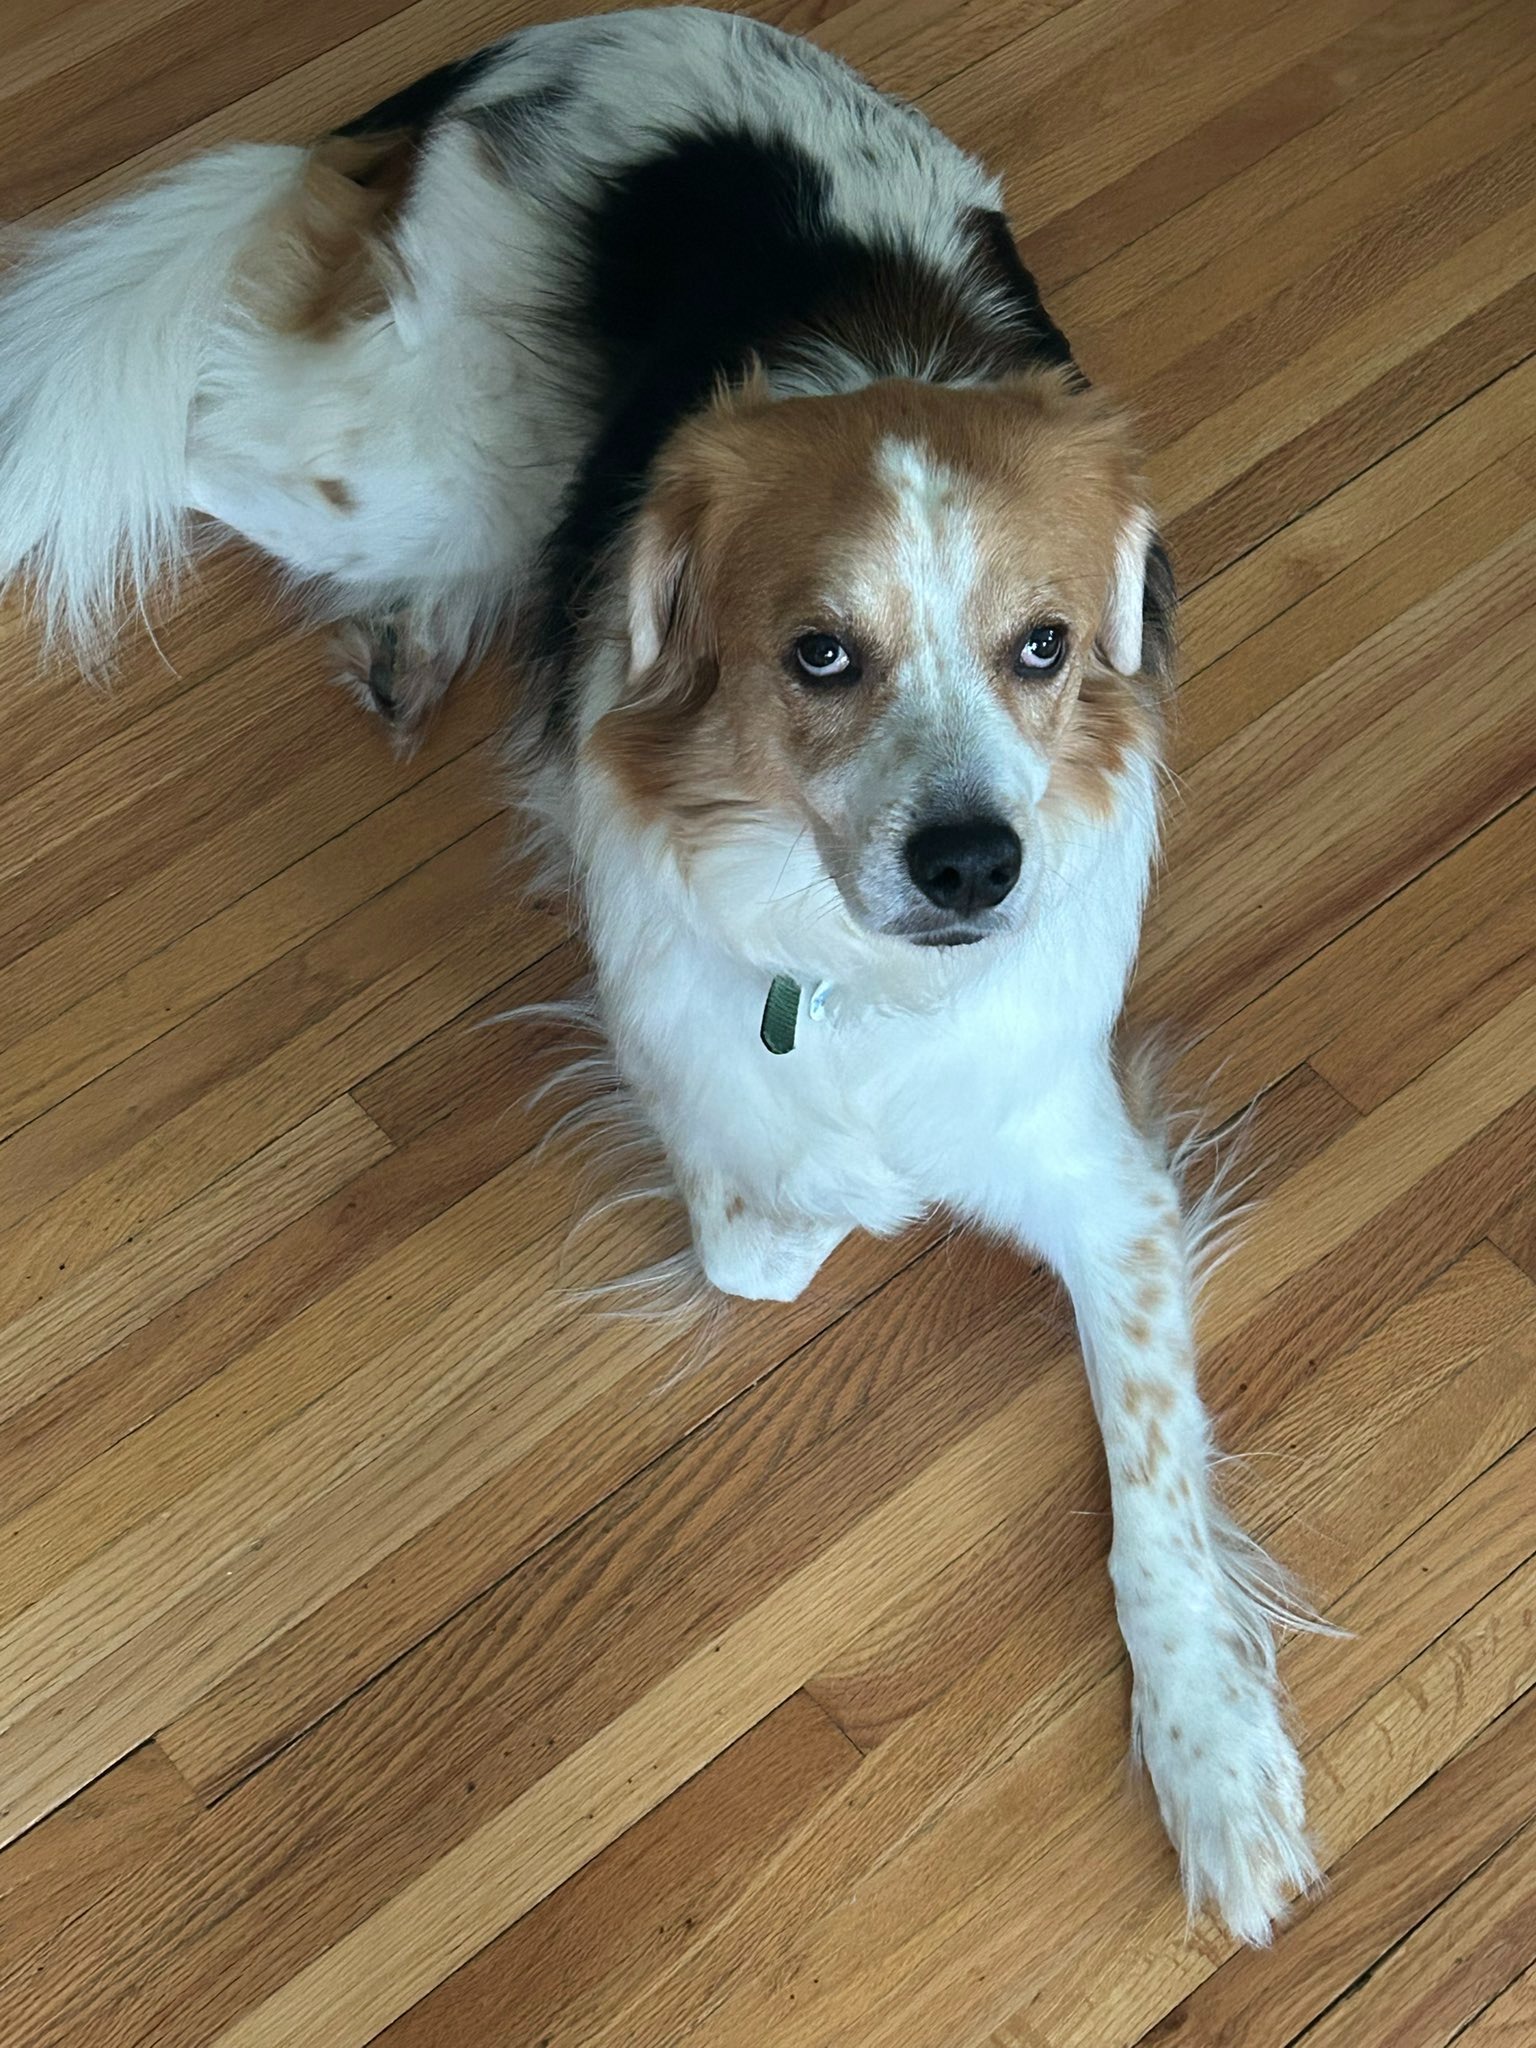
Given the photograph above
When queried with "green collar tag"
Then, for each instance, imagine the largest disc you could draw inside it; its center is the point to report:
(781, 1013)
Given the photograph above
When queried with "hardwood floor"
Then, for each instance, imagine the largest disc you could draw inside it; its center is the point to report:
(391, 1650)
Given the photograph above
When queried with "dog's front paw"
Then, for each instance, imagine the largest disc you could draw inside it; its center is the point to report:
(759, 1258)
(1229, 1785)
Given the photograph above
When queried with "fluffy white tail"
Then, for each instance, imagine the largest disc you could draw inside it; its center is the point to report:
(106, 326)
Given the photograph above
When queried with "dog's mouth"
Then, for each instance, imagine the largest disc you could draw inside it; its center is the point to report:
(963, 935)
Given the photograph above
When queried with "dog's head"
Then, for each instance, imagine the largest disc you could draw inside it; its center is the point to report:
(915, 621)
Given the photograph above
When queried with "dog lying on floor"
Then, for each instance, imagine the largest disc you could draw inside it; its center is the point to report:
(670, 344)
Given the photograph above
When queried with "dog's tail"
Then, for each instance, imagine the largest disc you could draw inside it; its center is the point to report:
(106, 328)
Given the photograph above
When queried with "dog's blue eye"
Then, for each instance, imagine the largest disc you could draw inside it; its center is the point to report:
(1041, 651)
(822, 658)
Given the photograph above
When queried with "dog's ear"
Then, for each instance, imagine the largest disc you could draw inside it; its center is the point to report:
(669, 640)
(1136, 635)
(668, 581)
(652, 737)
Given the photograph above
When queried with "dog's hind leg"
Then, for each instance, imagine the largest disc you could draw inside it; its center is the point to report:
(393, 669)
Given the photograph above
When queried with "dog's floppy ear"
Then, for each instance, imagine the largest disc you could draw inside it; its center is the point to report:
(668, 595)
(652, 737)
(668, 637)
(1136, 635)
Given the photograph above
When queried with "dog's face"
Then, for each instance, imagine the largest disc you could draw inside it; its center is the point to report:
(907, 619)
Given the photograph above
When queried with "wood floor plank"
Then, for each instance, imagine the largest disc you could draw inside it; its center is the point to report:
(1337, 616)
(229, 607)
(1401, 401)
(1267, 416)
(161, 68)
(263, 925)
(1268, 123)
(1216, 333)
(1316, 766)
(1514, 1229)
(1509, 2020)
(1209, 191)
(636, 1909)
(71, 1326)
(526, 1690)
(1449, 1105)
(486, 1055)
(1448, 1968)
(1439, 957)
(1118, 54)
(65, 842)
(133, 1814)
(167, 1121)
(274, 1283)
(301, 799)
(1304, 556)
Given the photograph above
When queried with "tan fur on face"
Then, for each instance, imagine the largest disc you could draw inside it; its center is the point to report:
(766, 516)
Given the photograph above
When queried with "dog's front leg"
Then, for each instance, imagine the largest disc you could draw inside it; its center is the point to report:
(1196, 1598)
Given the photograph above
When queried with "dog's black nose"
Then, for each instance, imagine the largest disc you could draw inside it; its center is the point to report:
(965, 867)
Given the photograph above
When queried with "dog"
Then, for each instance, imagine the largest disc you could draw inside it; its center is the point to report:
(666, 347)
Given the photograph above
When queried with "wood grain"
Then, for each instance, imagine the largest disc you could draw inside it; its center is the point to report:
(393, 1648)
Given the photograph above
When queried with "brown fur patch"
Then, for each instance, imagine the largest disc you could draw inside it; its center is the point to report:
(325, 257)
(1153, 1397)
(1142, 1470)
(1112, 721)
(335, 492)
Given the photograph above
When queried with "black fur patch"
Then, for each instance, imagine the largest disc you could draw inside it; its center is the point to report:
(416, 106)
(1159, 611)
(1000, 260)
(716, 251)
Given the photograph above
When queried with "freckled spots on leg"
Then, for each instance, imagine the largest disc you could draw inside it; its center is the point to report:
(1150, 1296)
(1246, 1652)
(1149, 1254)
(335, 492)
(1182, 1490)
(1148, 1397)
(1170, 1647)
(1142, 1469)
(1138, 1332)
(1175, 1733)
(735, 1206)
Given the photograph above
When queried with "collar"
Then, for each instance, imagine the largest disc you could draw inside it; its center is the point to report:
(781, 1011)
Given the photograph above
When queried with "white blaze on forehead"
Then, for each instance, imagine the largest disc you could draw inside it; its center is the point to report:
(946, 725)
(935, 563)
